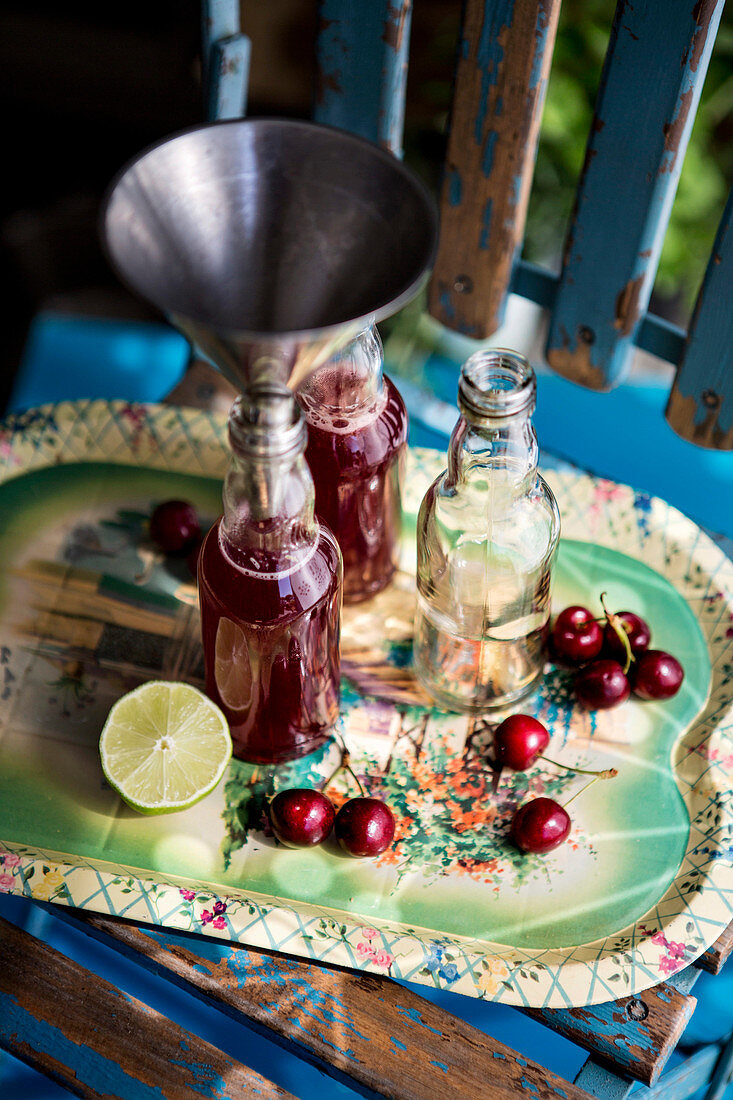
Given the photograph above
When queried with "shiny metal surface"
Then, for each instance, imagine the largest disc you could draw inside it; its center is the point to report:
(268, 242)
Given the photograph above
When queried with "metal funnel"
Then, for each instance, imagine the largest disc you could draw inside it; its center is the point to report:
(270, 243)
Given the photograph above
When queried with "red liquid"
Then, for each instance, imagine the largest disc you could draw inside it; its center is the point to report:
(271, 649)
(356, 471)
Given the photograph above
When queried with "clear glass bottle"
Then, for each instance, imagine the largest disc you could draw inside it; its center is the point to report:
(487, 532)
(270, 581)
(357, 438)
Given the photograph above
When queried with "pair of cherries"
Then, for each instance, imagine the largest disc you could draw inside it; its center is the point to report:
(541, 824)
(614, 659)
(302, 817)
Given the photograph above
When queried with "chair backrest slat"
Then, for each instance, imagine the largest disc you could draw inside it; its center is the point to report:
(650, 86)
(361, 57)
(701, 403)
(501, 75)
(225, 56)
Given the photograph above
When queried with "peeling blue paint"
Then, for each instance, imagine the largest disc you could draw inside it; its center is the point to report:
(487, 157)
(455, 187)
(522, 1062)
(486, 225)
(205, 1081)
(498, 1054)
(529, 1085)
(440, 1065)
(446, 304)
(97, 1072)
(397, 1043)
(490, 56)
(499, 106)
(414, 1015)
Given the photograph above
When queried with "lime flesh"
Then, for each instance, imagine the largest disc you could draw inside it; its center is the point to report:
(164, 746)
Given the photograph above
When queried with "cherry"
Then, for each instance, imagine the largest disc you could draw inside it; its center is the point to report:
(365, 826)
(301, 817)
(636, 630)
(174, 526)
(656, 675)
(518, 741)
(601, 684)
(576, 636)
(540, 825)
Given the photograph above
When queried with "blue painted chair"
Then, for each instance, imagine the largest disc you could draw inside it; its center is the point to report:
(597, 309)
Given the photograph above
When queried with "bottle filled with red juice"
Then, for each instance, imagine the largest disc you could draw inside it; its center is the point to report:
(357, 436)
(270, 580)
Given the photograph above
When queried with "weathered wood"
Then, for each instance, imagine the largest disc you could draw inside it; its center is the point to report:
(715, 957)
(701, 402)
(98, 1042)
(684, 1081)
(599, 1082)
(361, 57)
(369, 1029)
(501, 76)
(650, 86)
(633, 1036)
(225, 54)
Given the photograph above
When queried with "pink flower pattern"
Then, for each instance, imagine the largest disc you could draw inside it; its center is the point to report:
(675, 955)
(371, 952)
(6, 884)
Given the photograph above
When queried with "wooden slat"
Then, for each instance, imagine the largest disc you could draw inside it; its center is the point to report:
(650, 87)
(361, 57)
(701, 403)
(98, 1042)
(371, 1030)
(501, 76)
(633, 1036)
(225, 55)
(716, 956)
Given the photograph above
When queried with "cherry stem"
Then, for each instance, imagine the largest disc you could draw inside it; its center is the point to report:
(607, 773)
(601, 774)
(618, 627)
(345, 765)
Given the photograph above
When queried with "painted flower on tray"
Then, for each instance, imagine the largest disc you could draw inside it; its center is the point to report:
(6, 884)
(42, 891)
(187, 895)
(494, 973)
(54, 879)
(10, 859)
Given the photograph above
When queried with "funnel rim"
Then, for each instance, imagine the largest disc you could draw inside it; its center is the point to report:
(382, 310)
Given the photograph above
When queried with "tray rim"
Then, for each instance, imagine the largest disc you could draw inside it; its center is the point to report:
(157, 436)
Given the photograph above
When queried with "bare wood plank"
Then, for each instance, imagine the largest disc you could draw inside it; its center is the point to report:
(361, 57)
(650, 86)
(701, 402)
(96, 1041)
(501, 77)
(367, 1028)
(633, 1036)
(716, 956)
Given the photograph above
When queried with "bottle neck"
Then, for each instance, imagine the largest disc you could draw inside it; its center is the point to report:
(349, 385)
(269, 521)
(494, 436)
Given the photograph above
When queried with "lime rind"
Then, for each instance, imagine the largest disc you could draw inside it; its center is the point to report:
(164, 747)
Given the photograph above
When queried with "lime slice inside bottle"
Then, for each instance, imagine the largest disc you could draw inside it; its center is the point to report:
(164, 746)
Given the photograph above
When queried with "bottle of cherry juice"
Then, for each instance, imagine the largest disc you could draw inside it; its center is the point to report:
(270, 587)
(357, 437)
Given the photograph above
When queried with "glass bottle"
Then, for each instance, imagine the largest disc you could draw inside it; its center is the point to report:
(270, 580)
(487, 532)
(357, 437)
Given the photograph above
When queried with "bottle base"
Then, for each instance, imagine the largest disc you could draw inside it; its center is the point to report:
(284, 756)
(452, 703)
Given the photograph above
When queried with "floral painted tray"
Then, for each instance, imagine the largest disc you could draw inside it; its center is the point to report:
(641, 888)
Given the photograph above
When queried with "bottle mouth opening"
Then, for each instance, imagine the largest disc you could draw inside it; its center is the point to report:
(497, 383)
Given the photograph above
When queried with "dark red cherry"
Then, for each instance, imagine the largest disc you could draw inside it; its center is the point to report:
(601, 684)
(636, 630)
(576, 636)
(365, 826)
(540, 825)
(174, 526)
(518, 741)
(656, 675)
(301, 817)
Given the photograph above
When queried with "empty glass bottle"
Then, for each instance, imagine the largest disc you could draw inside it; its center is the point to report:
(487, 532)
